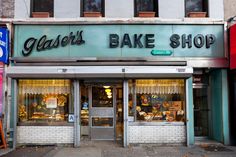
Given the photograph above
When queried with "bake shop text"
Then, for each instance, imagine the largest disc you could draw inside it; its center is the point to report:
(148, 40)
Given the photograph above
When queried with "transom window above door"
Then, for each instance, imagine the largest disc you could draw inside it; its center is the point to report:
(92, 8)
(146, 8)
(42, 8)
(196, 8)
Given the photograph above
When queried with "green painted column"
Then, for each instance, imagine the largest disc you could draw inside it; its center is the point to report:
(190, 113)
(225, 106)
(220, 106)
(216, 103)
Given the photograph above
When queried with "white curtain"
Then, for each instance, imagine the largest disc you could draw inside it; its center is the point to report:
(44, 86)
(164, 86)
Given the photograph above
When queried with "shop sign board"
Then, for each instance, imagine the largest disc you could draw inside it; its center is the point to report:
(119, 41)
(4, 45)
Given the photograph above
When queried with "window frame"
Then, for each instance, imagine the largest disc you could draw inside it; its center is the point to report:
(82, 8)
(155, 8)
(205, 7)
(32, 8)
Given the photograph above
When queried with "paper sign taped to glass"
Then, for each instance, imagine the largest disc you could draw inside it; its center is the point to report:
(51, 102)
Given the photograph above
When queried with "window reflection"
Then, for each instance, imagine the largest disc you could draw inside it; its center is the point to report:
(144, 5)
(93, 5)
(196, 6)
(43, 6)
(104, 122)
(150, 7)
(102, 97)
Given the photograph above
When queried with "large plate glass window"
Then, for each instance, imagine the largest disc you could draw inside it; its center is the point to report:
(92, 8)
(44, 100)
(42, 8)
(146, 8)
(196, 8)
(159, 100)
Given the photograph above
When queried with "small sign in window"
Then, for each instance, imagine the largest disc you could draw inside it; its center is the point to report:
(71, 118)
(51, 103)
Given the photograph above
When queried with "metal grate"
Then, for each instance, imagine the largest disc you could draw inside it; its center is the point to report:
(215, 148)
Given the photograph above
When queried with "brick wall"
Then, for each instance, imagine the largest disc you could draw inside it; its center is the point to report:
(7, 8)
(45, 134)
(157, 134)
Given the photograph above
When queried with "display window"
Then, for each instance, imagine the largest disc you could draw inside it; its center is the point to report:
(160, 100)
(44, 100)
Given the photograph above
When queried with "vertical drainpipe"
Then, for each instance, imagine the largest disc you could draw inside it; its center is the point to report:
(189, 112)
(76, 113)
(126, 101)
(13, 113)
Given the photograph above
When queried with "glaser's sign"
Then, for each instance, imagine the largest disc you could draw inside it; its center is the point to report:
(46, 44)
(116, 41)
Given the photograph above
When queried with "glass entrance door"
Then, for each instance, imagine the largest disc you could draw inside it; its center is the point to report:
(201, 111)
(102, 119)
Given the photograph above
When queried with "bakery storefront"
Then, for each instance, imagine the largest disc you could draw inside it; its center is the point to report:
(134, 83)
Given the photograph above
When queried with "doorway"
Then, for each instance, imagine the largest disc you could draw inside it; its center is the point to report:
(201, 111)
(201, 101)
(101, 110)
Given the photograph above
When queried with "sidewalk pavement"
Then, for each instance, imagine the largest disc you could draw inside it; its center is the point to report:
(111, 149)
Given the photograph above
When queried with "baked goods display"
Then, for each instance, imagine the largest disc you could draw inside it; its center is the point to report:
(22, 112)
(52, 107)
(62, 100)
(154, 108)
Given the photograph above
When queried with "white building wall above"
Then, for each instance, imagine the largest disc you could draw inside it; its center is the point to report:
(167, 9)
(216, 9)
(119, 8)
(22, 9)
(66, 9)
(171, 9)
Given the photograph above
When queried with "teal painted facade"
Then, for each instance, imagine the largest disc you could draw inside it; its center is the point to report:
(190, 113)
(219, 105)
(225, 106)
(96, 39)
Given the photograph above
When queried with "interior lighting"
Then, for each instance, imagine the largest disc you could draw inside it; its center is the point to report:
(108, 90)
(106, 86)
